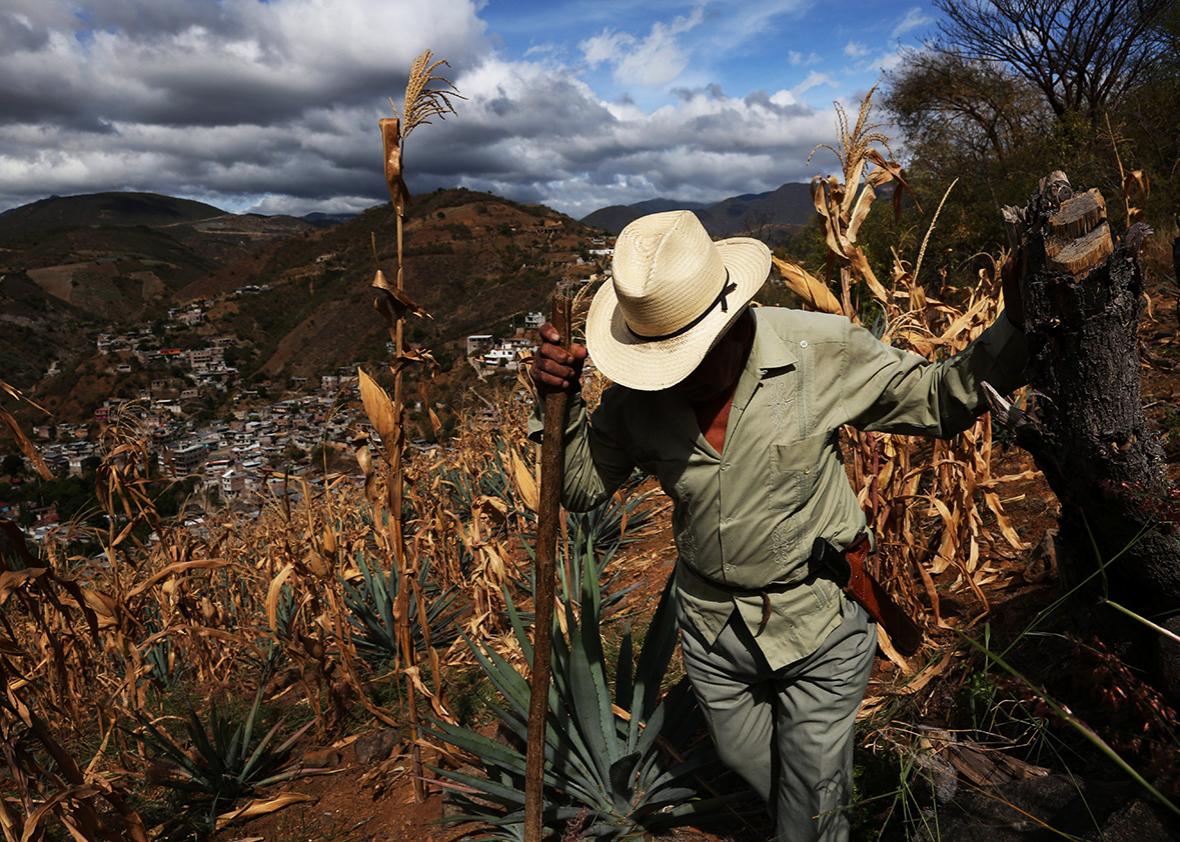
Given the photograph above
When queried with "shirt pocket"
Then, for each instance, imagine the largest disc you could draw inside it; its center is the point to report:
(795, 468)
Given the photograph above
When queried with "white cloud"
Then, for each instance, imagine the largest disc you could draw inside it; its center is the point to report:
(653, 61)
(798, 59)
(606, 46)
(889, 60)
(784, 99)
(273, 106)
(854, 49)
(814, 79)
(914, 18)
(749, 20)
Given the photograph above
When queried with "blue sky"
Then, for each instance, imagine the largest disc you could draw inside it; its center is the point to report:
(273, 106)
(743, 47)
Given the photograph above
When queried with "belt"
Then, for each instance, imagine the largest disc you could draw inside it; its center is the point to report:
(847, 568)
(736, 591)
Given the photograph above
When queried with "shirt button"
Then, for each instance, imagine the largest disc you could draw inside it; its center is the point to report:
(802, 343)
(725, 466)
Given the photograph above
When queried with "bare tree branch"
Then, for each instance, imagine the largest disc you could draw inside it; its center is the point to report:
(1083, 55)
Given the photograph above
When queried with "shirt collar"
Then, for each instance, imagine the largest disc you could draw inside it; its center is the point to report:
(770, 351)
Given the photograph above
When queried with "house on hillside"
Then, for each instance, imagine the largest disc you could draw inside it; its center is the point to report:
(479, 344)
(187, 459)
(233, 484)
(501, 357)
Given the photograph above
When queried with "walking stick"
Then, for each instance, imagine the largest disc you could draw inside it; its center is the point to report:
(552, 468)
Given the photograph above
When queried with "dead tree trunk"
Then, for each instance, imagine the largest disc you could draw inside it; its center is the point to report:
(1087, 431)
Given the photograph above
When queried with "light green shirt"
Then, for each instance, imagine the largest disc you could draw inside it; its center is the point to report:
(748, 516)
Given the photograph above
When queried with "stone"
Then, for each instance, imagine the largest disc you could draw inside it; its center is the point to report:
(1004, 813)
(375, 746)
(1139, 822)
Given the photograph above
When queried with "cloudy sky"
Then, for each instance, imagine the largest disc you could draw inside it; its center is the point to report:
(273, 106)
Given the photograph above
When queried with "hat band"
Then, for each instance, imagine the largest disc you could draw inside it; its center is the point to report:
(726, 288)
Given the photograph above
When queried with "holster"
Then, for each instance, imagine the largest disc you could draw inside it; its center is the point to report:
(847, 569)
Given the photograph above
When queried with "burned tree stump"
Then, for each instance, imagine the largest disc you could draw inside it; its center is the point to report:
(1087, 430)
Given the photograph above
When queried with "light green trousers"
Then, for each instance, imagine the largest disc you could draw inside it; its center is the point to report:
(787, 732)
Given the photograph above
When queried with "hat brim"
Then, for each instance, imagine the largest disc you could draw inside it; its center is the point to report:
(651, 365)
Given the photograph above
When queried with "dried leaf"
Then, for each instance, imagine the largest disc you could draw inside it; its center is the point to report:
(812, 291)
(379, 409)
(861, 264)
(176, 567)
(930, 671)
(273, 593)
(1136, 179)
(100, 603)
(12, 580)
(27, 447)
(825, 195)
(864, 201)
(399, 194)
(525, 483)
(886, 646)
(1003, 521)
(398, 300)
(262, 807)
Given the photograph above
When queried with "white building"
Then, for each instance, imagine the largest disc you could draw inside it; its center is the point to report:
(233, 483)
(479, 343)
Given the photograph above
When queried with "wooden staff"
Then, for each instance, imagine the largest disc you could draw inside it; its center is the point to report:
(548, 521)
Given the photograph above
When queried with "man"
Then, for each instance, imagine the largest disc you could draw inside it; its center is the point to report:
(736, 411)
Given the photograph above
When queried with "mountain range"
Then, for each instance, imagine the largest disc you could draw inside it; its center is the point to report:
(772, 216)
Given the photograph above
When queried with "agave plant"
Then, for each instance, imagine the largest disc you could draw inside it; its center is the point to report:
(162, 657)
(225, 763)
(609, 771)
(370, 604)
(615, 523)
(594, 539)
(577, 559)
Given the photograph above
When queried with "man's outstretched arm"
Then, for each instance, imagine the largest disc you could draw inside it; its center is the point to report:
(889, 390)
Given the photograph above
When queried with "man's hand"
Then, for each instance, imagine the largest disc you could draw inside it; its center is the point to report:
(1010, 279)
(554, 368)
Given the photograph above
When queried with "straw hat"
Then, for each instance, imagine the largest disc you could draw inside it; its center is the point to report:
(673, 294)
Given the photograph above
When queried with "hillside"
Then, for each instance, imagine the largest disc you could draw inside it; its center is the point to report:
(119, 256)
(771, 216)
(614, 218)
(473, 260)
(36, 329)
(102, 209)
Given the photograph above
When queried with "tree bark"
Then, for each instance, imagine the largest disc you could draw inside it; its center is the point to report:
(1087, 430)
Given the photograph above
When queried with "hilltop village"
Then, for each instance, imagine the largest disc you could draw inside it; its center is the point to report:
(235, 442)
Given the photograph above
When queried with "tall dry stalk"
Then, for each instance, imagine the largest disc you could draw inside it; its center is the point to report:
(423, 100)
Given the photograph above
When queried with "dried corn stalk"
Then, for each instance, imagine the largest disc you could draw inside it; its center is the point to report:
(423, 99)
(925, 500)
